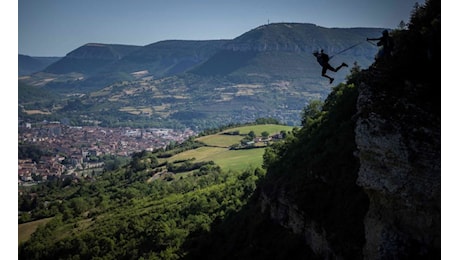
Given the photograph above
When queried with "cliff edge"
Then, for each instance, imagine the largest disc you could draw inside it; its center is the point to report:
(400, 171)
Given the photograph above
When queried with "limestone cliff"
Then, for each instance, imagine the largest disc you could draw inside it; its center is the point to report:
(311, 190)
(398, 148)
(400, 171)
(288, 214)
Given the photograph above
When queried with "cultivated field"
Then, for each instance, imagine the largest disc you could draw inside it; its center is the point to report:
(258, 129)
(218, 151)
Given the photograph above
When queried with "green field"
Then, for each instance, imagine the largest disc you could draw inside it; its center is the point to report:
(258, 129)
(218, 151)
(220, 140)
(240, 159)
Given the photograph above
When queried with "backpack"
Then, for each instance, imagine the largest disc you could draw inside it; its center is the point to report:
(322, 59)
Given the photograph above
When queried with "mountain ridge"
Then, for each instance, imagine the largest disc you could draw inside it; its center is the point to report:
(28, 65)
(266, 72)
(169, 57)
(297, 38)
(90, 58)
(93, 59)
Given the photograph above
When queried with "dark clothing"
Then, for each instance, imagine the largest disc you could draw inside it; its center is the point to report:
(323, 60)
(386, 45)
(326, 67)
(386, 41)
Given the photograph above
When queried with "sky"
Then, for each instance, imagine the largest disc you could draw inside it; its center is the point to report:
(56, 27)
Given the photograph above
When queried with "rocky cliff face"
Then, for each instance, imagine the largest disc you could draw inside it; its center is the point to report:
(398, 147)
(288, 214)
(399, 153)
(312, 189)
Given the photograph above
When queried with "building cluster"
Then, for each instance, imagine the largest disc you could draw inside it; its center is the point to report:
(69, 149)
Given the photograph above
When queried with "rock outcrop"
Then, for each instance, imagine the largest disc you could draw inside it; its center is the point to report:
(398, 147)
(287, 214)
(399, 153)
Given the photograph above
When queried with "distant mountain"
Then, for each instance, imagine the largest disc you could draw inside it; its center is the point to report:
(167, 58)
(94, 66)
(70, 73)
(280, 50)
(267, 72)
(28, 65)
(90, 58)
(285, 50)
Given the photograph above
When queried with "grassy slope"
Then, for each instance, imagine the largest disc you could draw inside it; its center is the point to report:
(258, 129)
(25, 230)
(218, 152)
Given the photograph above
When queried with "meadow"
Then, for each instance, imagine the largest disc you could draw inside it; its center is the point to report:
(217, 148)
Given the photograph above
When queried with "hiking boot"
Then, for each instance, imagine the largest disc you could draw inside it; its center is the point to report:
(331, 80)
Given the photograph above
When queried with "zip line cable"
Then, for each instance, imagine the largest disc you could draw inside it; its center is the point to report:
(371, 43)
(342, 51)
(351, 47)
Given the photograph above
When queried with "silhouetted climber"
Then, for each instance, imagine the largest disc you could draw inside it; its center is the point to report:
(323, 60)
(386, 43)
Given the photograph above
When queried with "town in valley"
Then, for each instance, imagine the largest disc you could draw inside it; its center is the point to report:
(76, 151)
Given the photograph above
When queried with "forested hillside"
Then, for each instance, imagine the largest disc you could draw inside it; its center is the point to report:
(144, 210)
(150, 206)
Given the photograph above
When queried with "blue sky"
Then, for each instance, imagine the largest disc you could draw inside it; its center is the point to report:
(56, 27)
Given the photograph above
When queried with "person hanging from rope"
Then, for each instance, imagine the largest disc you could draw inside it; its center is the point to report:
(386, 43)
(323, 60)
